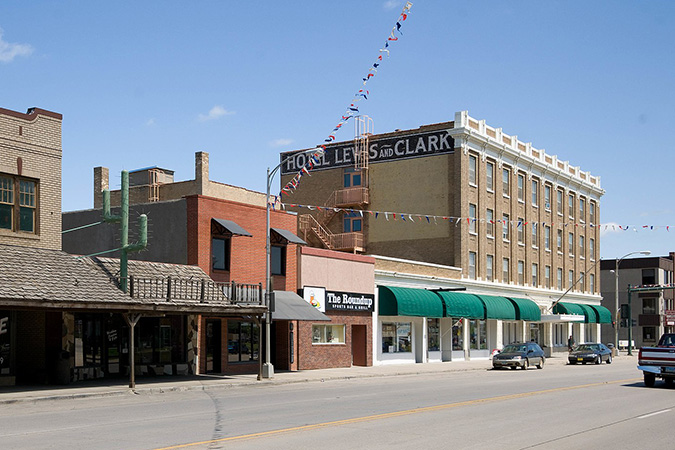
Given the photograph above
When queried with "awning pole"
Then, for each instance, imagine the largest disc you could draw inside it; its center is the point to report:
(132, 320)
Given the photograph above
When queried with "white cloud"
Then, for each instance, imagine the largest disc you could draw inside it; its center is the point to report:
(10, 51)
(281, 142)
(215, 113)
(150, 122)
(391, 4)
(610, 227)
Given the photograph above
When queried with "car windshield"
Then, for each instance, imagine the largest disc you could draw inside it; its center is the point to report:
(588, 347)
(514, 348)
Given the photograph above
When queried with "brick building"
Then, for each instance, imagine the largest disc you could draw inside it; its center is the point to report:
(497, 215)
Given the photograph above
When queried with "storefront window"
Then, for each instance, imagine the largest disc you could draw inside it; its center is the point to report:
(396, 337)
(457, 335)
(88, 341)
(242, 341)
(509, 334)
(589, 331)
(478, 334)
(328, 334)
(5, 348)
(433, 335)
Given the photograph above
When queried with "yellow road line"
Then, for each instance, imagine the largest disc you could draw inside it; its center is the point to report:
(399, 413)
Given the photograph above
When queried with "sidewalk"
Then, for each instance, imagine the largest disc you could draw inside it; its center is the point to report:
(155, 385)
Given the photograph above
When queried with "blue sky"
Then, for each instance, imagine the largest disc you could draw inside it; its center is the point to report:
(147, 83)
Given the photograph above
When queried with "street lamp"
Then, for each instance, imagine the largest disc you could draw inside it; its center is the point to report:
(616, 297)
(268, 368)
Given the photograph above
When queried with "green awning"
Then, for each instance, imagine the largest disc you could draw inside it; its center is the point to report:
(398, 301)
(604, 314)
(569, 308)
(526, 309)
(459, 304)
(589, 313)
(498, 307)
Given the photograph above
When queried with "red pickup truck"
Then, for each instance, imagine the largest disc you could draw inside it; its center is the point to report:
(658, 361)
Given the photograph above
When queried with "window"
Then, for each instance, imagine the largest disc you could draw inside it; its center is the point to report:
(535, 193)
(648, 276)
(547, 237)
(506, 275)
(547, 197)
(490, 223)
(333, 334)
(648, 306)
(472, 265)
(489, 262)
(352, 222)
(570, 279)
(509, 334)
(472, 170)
(582, 247)
(570, 243)
(505, 227)
(582, 210)
(220, 253)
(535, 274)
(559, 279)
(278, 260)
(489, 176)
(591, 282)
(591, 248)
(433, 335)
(477, 334)
(535, 235)
(582, 282)
(18, 212)
(591, 212)
(559, 200)
(547, 276)
(521, 273)
(560, 241)
(88, 335)
(352, 177)
(506, 183)
(559, 335)
(521, 187)
(395, 337)
(242, 341)
(472, 218)
(649, 334)
(521, 230)
(570, 206)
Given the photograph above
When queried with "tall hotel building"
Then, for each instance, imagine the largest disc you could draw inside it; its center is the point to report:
(463, 205)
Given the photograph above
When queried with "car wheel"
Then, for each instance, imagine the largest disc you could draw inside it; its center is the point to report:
(526, 365)
(573, 362)
(668, 381)
(598, 360)
(650, 378)
(609, 359)
(541, 363)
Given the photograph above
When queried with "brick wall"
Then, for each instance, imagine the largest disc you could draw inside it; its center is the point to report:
(30, 146)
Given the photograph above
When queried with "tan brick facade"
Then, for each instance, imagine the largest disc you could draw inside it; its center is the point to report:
(30, 148)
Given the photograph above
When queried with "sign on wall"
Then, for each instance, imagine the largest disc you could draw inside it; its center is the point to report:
(385, 149)
(325, 300)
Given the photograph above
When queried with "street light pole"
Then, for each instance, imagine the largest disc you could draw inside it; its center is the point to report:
(616, 296)
(268, 367)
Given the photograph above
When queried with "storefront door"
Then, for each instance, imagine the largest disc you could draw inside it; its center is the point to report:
(213, 346)
(359, 350)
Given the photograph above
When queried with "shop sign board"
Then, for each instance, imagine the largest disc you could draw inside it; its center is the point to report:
(670, 317)
(325, 300)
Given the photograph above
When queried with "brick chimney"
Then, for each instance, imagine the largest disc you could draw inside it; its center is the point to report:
(101, 182)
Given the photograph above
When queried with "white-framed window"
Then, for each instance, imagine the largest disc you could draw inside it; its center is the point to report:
(570, 279)
(472, 218)
(559, 335)
(473, 162)
(477, 334)
(547, 276)
(535, 274)
(547, 238)
(472, 265)
(396, 337)
(489, 267)
(328, 334)
(582, 247)
(489, 176)
(509, 332)
(490, 223)
(535, 193)
(591, 212)
(582, 282)
(591, 248)
(506, 275)
(570, 243)
(560, 241)
(559, 200)
(535, 235)
(506, 182)
(505, 227)
(559, 279)
(521, 230)
(582, 209)
(521, 187)
(521, 273)
(570, 206)
(591, 283)
(547, 197)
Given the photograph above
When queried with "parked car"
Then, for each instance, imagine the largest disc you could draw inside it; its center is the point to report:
(592, 352)
(519, 355)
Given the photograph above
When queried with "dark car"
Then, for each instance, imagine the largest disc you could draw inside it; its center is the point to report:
(593, 352)
(519, 355)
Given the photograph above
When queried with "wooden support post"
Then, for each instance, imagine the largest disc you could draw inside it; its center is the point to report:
(132, 319)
